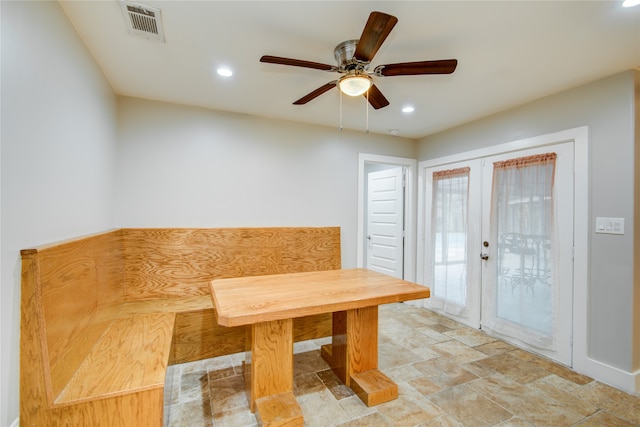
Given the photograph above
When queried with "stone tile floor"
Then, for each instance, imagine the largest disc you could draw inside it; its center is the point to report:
(448, 375)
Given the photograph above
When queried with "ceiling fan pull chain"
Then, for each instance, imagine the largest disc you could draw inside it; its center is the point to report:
(340, 123)
(367, 114)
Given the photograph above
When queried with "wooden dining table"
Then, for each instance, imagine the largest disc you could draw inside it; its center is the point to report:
(268, 304)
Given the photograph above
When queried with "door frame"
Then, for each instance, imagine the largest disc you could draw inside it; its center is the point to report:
(580, 137)
(410, 166)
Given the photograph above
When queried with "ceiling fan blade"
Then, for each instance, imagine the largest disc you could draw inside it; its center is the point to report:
(444, 66)
(297, 63)
(316, 93)
(375, 32)
(376, 98)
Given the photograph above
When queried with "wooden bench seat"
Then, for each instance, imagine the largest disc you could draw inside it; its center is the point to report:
(131, 355)
(104, 315)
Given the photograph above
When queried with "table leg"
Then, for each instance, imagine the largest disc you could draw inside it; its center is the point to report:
(269, 374)
(336, 353)
(353, 355)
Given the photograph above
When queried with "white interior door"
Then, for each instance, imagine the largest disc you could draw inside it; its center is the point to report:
(513, 282)
(385, 221)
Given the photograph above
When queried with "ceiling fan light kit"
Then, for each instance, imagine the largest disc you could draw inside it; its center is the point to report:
(355, 84)
(355, 56)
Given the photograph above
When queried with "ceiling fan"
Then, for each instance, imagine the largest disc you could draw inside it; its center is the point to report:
(355, 56)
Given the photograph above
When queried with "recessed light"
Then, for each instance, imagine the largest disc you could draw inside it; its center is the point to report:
(394, 132)
(408, 109)
(225, 72)
(630, 3)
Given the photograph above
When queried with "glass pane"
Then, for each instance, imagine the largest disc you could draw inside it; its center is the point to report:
(449, 238)
(523, 208)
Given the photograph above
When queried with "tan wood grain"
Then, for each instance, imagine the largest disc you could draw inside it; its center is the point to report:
(165, 305)
(373, 387)
(131, 355)
(354, 344)
(178, 262)
(279, 410)
(353, 355)
(142, 408)
(336, 353)
(197, 335)
(312, 327)
(89, 303)
(247, 300)
(76, 280)
(271, 359)
(362, 340)
(353, 296)
(35, 381)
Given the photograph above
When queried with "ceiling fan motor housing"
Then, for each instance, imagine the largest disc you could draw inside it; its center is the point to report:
(343, 53)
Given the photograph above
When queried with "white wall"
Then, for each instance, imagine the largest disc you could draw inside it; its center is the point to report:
(636, 238)
(607, 108)
(184, 166)
(75, 160)
(57, 153)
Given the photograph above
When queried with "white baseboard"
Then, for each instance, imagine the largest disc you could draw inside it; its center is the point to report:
(625, 381)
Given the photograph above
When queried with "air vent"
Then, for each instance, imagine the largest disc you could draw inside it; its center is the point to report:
(143, 21)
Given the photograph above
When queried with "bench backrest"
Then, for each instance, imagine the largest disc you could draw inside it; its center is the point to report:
(70, 289)
(160, 263)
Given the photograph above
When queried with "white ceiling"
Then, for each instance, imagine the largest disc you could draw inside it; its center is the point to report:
(509, 53)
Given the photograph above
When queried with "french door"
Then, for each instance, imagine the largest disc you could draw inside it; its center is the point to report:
(453, 196)
(498, 246)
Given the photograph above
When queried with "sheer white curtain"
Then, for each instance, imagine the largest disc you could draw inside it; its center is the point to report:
(449, 231)
(521, 299)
